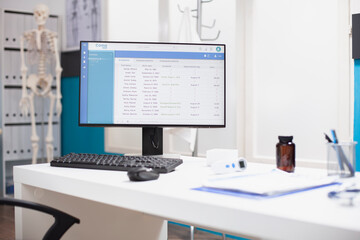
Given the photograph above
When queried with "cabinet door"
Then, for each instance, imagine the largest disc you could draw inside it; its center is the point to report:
(298, 80)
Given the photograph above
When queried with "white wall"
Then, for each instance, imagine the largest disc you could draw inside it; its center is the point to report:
(355, 6)
(297, 75)
(135, 20)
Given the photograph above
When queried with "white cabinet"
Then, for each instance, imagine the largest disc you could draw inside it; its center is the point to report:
(297, 77)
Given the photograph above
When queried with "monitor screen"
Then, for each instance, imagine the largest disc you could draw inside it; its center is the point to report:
(152, 84)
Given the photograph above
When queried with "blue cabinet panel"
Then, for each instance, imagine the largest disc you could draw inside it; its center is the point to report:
(74, 138)
(357, 111)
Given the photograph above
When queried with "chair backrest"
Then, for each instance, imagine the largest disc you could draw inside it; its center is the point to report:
(63, 221)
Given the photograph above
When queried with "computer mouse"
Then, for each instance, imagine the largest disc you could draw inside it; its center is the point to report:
(142, 174)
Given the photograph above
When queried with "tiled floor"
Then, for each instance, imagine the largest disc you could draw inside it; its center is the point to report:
(7, 228)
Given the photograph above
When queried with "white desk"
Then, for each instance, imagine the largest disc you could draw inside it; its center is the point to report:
(111, 207)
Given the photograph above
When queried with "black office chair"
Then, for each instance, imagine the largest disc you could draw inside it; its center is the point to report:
(63, 221)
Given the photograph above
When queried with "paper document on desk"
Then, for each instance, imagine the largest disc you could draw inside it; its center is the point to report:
(269, 183)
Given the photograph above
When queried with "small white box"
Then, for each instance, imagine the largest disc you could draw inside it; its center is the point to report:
(219, 154)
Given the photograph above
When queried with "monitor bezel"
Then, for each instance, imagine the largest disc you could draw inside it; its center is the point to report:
(155, 125)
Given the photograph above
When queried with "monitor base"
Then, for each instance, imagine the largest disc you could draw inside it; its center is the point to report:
(152, 141)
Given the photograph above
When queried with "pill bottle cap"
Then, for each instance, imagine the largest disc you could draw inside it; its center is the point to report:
(285, 139)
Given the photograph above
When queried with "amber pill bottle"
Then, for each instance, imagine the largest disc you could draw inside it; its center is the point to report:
(285, 154)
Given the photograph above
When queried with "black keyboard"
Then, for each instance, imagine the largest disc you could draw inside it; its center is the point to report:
(116, 162)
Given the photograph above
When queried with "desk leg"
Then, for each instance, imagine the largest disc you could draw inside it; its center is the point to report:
(97, 220)
(18, 212)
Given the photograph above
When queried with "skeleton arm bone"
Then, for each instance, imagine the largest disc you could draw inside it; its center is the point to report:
(24, 101)
(58, 71)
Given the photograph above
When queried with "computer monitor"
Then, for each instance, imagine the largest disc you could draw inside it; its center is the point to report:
(152, 85)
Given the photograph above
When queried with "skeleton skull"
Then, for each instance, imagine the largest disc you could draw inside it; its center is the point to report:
(41, 14)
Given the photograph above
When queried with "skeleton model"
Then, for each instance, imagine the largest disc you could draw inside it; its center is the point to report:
(42, 46)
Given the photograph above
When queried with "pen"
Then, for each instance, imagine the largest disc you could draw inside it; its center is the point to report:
(340, 154)
(346, 161)
(333, 133)
(328, 138)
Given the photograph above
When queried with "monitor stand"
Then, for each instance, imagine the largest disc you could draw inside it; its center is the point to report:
(152, 141)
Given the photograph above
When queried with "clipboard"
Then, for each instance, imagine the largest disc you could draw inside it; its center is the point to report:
(270, 184)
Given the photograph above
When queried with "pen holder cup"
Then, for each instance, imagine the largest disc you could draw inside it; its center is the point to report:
(341, 159)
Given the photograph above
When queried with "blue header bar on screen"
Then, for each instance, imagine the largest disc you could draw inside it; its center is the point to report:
(169, 55)
(84, 82)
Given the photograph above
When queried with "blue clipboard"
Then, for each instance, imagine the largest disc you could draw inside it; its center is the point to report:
(236, 193)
